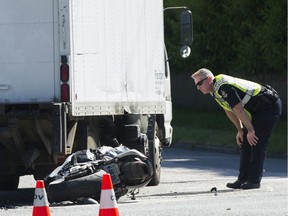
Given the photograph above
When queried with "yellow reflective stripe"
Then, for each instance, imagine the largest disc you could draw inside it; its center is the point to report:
(239, 87)
(218, 83)
(256, 91)
(224, 104)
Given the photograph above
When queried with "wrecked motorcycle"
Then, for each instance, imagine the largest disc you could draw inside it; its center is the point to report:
(80, 176)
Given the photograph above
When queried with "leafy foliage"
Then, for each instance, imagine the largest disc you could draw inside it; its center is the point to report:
(243, 36)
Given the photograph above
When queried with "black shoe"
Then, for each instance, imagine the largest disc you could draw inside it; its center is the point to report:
(250, 185)
(235, 185)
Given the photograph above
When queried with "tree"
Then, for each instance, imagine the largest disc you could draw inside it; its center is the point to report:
(243, 36)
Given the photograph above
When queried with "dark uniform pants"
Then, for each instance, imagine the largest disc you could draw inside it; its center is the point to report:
(252, 158)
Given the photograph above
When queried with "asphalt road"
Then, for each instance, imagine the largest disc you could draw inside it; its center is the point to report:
(187, 178)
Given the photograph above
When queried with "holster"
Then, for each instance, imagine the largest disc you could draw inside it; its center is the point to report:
(269, 95)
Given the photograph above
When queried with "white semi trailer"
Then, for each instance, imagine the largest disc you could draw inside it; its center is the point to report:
(78, 74)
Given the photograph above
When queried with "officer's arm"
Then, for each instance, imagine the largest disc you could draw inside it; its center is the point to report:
(234, 119)
(238, 124)
(242, 115)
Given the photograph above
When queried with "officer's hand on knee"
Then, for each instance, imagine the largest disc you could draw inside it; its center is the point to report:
(239, 138)
(252, 138)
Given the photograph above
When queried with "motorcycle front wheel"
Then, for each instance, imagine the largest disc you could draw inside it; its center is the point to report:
(83, 187)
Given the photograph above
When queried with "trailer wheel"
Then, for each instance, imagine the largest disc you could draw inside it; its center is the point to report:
(9, 183)
(83, 187)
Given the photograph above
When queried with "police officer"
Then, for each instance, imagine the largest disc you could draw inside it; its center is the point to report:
(254, 110)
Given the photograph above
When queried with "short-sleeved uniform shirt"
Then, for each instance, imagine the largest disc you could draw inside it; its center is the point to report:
(232, 95)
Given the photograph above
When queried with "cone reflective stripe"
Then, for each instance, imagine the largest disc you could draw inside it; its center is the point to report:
(108, 204)
(40, 204)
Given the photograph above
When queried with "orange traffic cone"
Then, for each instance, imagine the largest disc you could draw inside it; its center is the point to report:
(41, 206)
(108, 204)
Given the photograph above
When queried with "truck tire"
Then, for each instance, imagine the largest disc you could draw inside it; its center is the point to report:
(86, 138)
(9, 183)
(70, 190)
(41, 171)
(92, 141)
(155, 151)
(155, 156)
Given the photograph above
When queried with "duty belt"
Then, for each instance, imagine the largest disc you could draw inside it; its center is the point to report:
(267, 96)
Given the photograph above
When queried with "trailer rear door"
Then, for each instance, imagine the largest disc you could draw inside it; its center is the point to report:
(27, 66)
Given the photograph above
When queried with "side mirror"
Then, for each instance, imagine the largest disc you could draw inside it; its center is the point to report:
(186, 28)
(186, 33)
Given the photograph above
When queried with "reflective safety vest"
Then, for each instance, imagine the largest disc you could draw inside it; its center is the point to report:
(249, 88)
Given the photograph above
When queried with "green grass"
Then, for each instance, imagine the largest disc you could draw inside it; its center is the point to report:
(206, 128)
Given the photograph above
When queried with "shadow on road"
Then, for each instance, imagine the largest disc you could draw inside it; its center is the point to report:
(20, 197)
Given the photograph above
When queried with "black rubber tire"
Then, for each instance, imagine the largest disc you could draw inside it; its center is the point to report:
(92, 141)
(9, 183)
(155, 152)
(86, 186)
(155, 156)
